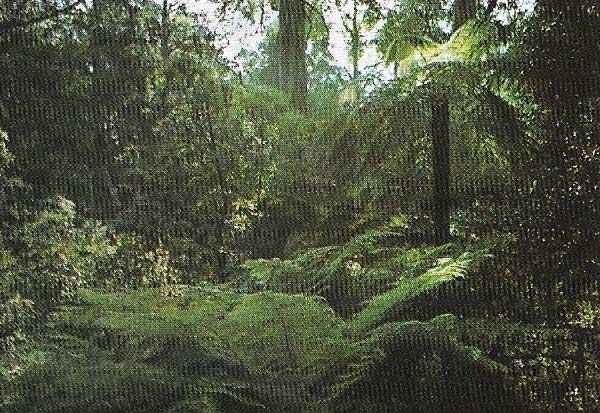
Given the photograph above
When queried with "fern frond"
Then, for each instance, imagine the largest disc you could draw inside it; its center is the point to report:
(377, 309)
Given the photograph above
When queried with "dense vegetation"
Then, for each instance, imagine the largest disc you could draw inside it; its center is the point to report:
(179, 235)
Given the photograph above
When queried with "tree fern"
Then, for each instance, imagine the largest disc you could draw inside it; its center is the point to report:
(448, 269)
(411, 360)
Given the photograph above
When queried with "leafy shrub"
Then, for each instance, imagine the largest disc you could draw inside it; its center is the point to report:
(132, 265)
(51, 254)
(59, 255)
(16, 317)
(542, 362)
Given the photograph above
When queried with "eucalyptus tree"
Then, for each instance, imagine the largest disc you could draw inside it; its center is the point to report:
(292, 75)
(299, 22)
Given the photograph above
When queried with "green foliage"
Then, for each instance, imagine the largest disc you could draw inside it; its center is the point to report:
(412, 359)
(369, 264)
(16, 316)
(44, 261)
(12, 210)
(126, 111)
(131, 265)
(59, 255)
(269, 332)
(6, 157)
(445, 270)
(99, 376)
(258, 343)
(268, 351)
(399, 36)
(542, 362)
(279, 333)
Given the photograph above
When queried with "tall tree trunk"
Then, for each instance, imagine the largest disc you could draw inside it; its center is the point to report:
(440, 143)
(293, 76)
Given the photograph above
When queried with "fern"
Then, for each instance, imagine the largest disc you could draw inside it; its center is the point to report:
(411, 359)
(378, 308)
(349, 274)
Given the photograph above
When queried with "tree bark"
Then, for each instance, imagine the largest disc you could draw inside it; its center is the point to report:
(293, 76)
(440, 143)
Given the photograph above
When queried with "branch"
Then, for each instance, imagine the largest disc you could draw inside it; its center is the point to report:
(312, 8)
(491, 6)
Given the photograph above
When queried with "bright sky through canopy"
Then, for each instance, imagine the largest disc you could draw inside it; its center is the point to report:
(239, 33)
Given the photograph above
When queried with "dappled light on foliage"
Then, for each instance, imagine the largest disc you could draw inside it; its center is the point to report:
(382, 206)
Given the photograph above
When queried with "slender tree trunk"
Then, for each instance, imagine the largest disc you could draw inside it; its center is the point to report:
(224, 206)
(440, 143)
(220, 257)
(165, 52)
(97, 44)
(293, 76)
(355, 41)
